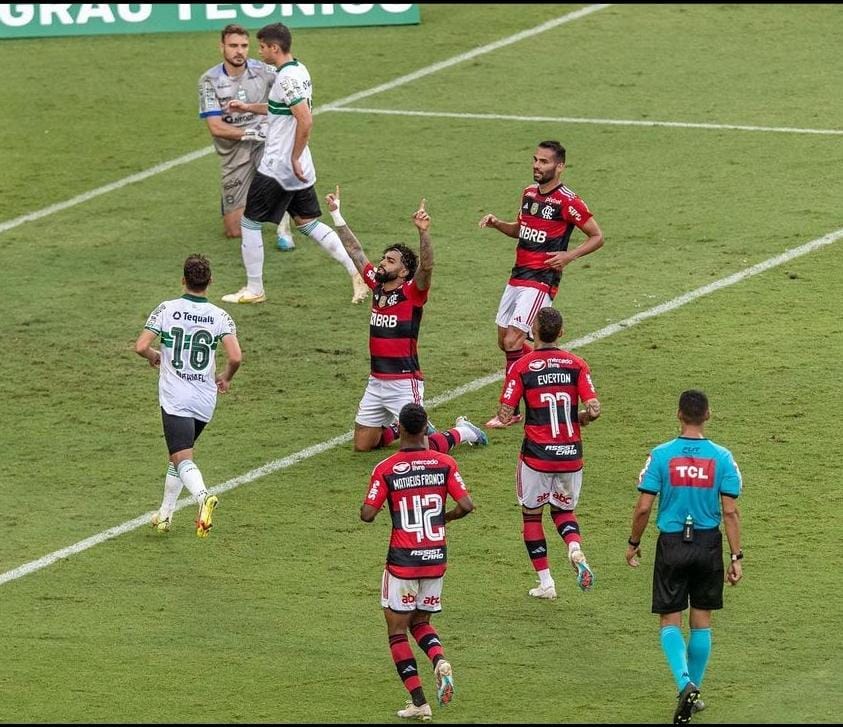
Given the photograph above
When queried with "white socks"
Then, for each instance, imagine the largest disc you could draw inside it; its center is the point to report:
(545, 579)
(251, 248)
(575, 554)
(466, 434)
(284, 226)
(192, 479)
(329, 241)
(172, 490)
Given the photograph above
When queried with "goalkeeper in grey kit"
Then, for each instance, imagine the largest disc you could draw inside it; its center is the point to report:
(238, 135)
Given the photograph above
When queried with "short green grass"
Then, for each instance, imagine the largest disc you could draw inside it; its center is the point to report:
(275, 617)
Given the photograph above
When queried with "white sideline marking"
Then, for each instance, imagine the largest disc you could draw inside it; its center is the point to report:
(333, 106)
(579, 120)
(286, 462)
(120, 183)
(467, 56)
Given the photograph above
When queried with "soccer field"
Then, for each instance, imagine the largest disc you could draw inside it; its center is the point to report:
(708, 143)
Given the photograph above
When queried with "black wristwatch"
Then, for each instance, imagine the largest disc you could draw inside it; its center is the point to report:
(737, 556)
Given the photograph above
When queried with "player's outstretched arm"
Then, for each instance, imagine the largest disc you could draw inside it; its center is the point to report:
(350, 242)
(510, 229)
(421, 219)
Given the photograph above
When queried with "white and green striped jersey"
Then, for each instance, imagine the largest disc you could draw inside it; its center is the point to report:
(292, 86)
(190, 328)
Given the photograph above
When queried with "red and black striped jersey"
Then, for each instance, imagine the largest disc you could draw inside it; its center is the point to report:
(552, 383)
(394, 328)
(545, 224)
(416, 482)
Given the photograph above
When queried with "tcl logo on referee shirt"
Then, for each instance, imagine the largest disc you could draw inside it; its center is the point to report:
(691, 472)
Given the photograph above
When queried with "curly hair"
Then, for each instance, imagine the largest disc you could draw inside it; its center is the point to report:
(413, 418)
(409, 259)
(197, 272)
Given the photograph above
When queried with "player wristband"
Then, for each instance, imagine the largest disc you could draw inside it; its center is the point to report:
(337, 218)
(633, 543)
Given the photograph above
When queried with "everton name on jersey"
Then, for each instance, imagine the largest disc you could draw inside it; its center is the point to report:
(416, 484)
(552, 383)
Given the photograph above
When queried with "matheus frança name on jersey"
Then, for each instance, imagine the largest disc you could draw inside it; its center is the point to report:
(428, 479)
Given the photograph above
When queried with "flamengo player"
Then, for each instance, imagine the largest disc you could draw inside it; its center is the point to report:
(400, 285)
(416, 481)
(552, 382)
(547, 216)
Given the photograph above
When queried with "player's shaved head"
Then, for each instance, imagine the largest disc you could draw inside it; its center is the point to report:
(413, 418)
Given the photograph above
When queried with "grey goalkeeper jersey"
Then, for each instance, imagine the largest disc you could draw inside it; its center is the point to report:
(217, 88)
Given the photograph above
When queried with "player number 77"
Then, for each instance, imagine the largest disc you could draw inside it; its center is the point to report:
(553, 410)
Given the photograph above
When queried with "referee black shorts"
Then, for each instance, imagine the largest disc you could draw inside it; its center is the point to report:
(688, 572)
(267, 201)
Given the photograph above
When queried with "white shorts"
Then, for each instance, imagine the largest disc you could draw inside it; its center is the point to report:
(534, 488)
(423, 594)
(383, 399)
(519, 306)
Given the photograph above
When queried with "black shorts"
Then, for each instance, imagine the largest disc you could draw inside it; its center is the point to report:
(688, 571)
(267, 201)
(181, 432)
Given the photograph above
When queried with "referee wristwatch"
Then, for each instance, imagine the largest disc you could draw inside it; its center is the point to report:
(737, 556)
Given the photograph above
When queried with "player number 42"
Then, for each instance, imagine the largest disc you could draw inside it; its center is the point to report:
(418, 517)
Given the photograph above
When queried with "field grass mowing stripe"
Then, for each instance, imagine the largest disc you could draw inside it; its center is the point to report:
(321, 447)
(468, 55)
(333, 106)
(579, 120)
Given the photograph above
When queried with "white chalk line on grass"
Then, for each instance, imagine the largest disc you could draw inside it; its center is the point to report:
(316, 449)
(468, 55)
(582, 120)
(333, 106)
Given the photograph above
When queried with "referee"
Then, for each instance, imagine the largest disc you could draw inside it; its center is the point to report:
(699, 484)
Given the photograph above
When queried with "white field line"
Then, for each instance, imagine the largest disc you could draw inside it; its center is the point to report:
(316, 449)
(579, 120)
(462, 57)
(335, 105)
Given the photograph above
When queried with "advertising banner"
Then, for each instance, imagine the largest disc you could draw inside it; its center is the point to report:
(19, 20)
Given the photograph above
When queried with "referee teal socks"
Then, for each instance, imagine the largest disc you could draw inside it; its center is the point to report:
(675, 652)
(699, 649)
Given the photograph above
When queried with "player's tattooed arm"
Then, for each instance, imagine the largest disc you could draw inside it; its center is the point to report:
(505, 413)
(423, 274)
(349, 241)
(353, 247)
(590, 413)
(421, 219)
